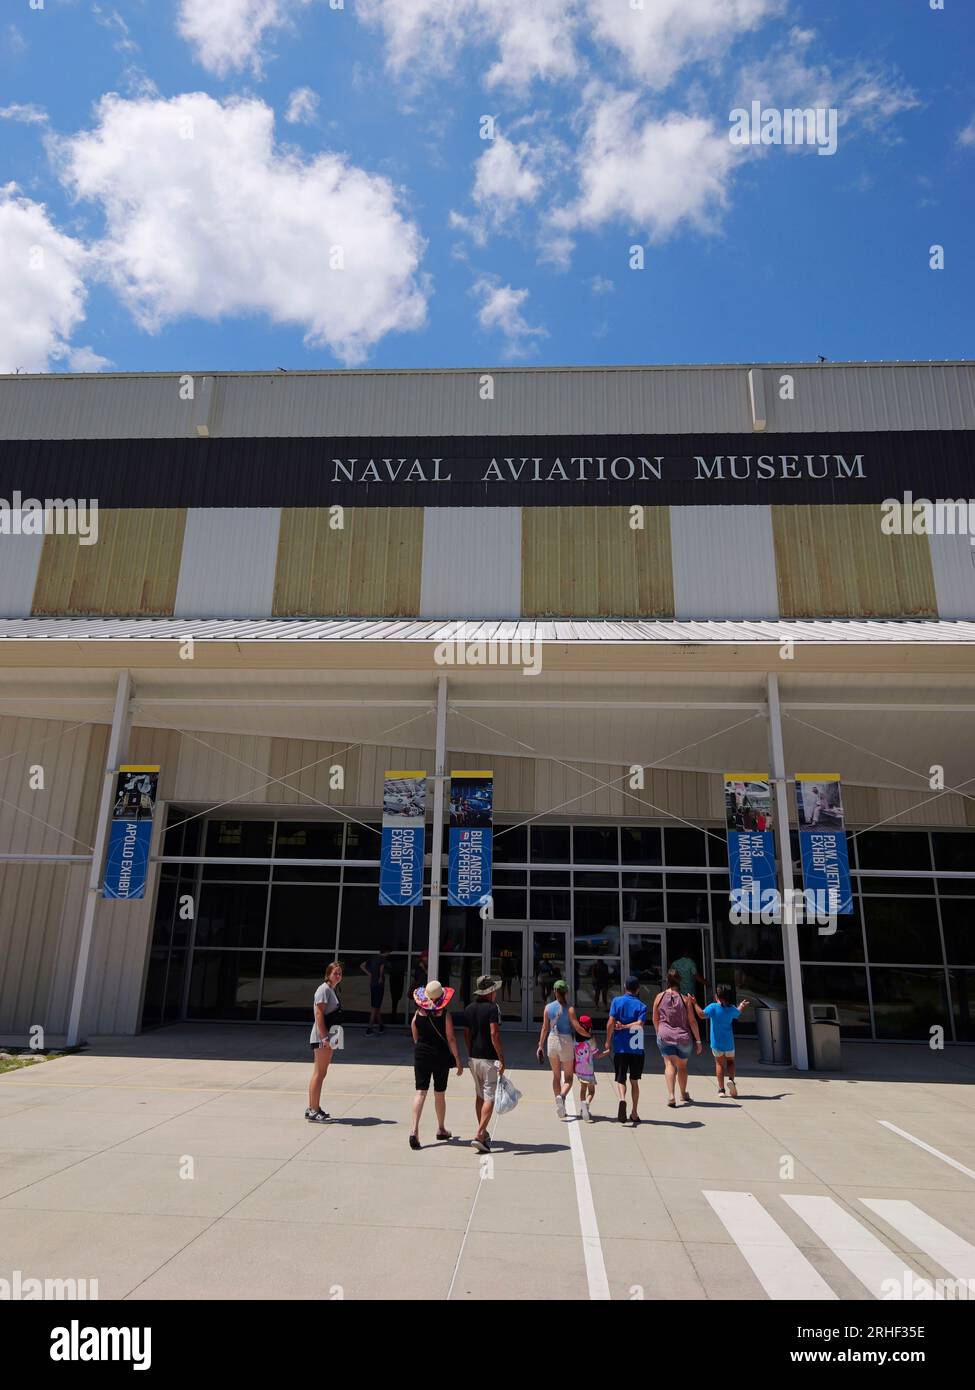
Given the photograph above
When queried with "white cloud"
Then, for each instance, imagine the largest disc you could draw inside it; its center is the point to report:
(229, 35)
(42, 292)
(966, 136)
(28, 114)
(600, 285)
(533, 40)
(302, 107)
(501, 311)
(504, 175)
(85, 359)
(665, 35)
(205, 218)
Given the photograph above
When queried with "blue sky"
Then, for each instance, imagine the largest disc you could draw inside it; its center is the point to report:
(162, 212)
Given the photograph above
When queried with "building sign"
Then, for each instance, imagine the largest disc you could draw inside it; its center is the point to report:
(822, 840)
(751, 842)
(130, 833)
(401, 856)
(471, 838)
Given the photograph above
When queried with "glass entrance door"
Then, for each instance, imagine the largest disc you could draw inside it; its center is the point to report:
(644, 956)
(505, 956)
(550, 962)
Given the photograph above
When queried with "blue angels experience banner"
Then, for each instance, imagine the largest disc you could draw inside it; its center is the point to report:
(404, 819)
(471, 837)
(130, 834)
(751, 842)
(822, 840)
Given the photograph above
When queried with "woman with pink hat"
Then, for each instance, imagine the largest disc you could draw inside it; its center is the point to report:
(434, 1047)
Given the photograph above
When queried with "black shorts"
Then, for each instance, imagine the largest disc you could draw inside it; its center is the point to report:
(424, 1069)
(628, 1065)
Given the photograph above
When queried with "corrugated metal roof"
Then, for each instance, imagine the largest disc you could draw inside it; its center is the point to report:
(527, 401)
(409, 630)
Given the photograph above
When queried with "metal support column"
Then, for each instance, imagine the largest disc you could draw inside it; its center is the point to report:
(117, 742)
(436, 847)
(790, 935)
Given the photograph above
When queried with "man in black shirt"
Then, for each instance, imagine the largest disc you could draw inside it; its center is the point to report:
(482, 1035)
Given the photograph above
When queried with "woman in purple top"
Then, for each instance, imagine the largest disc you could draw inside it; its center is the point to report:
(675, 1025)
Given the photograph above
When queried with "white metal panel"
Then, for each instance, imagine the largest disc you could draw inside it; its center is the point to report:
(20, 558)
(471, 562)
(724, 562)
(953, 562)
(228, 564)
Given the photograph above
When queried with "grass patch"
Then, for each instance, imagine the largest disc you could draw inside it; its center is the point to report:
(17, 1061)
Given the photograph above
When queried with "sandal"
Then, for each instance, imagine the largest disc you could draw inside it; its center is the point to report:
(672, 1104)
(415, 1142)
(445, 1134)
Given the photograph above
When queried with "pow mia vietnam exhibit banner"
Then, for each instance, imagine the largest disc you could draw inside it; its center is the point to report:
(822, 840)
(404, 827)
(471, 838)
(130, 835)
(751, 842)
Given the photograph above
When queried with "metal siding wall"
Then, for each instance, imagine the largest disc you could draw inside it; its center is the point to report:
(20, 558)
(588, 562)
(953, 563)
(228, 563)
(370, 568)
(911, 396)
(132, 570)
(834, 562)
(224, 767)
(471, 562)
(724, 562)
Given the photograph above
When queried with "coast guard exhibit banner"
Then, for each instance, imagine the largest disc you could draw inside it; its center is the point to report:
(822, 839)
(404, 816)
(751, 843)
(130, 834)
(471, 836)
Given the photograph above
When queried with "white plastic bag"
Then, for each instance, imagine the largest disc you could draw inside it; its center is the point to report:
(508, 1095)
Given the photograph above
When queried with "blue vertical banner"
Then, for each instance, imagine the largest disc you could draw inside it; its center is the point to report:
(471, 838)
(404, 826)
(822, 840)
(751, 841)
(130, 833)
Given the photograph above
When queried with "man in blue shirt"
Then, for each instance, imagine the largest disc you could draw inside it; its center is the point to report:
(624, 1037)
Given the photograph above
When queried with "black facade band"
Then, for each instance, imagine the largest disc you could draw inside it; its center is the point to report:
(518, 471)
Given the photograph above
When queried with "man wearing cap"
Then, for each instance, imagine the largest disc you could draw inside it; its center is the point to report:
(482, 1035)
(624, 1034)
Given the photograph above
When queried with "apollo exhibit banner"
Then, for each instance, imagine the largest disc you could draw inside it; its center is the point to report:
(822, 840)
(130, 833)
(404, 824)
(471, 838)
(751, 841)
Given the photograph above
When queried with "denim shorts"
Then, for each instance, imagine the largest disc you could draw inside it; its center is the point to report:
(675, 1049)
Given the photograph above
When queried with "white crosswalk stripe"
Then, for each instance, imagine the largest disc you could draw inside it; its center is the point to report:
(884, 1273)
(953, 1253)
(777, 1263)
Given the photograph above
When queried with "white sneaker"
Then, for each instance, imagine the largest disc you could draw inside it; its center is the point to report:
(584, 1111)
(560, 1107)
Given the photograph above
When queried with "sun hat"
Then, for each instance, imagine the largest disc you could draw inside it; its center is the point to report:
(433, 995)
(487, 984)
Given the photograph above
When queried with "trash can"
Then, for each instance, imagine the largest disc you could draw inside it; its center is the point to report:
(773, 1036)
(823, 1035)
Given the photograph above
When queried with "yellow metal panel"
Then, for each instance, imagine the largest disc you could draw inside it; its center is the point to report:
(132, 569)
(834, 562)
(368, 568)
(587, 562)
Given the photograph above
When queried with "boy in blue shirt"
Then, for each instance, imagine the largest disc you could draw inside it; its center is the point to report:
(624, 1037)
(721, 1015)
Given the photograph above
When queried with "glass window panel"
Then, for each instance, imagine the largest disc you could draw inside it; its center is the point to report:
(162, 927)
(596, 844)
(550, 906)
(645, 959)
(896, 887)
(597, 930)
(846, 943)
(760, 984)
(640, 844)
(597, 982)
(649, 882)
(299, 873)
(231, 915)
(758, 941)
(240, 839)
(643, 907)
(902, 930)
(317, 839)
(236, 873)
(717, 848)
(183, 925)
(685, 846)
(894, 849)
(550, 878)
(954, 851)
(687, 943)
(550, 844)
(362, 841)
(844, 986)
(367, 875)
(511, 846)
(963, 1003)
(687, 907)
(683, 883)
(507, 964)
(461, 929)
(366, 926)
(957, 887)
(510, 906)
(507, 878)
(225, 984)
(907, 1002)
(594, 880)
(173, 1003)
(290, 981)
(958, 923)
(303, 918)
(152, 1004)
(548, 965)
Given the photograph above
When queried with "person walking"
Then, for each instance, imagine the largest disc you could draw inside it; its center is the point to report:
(482, 1037)
(624, 1037)
(559, 1024)
(675, 1025)
(722, 1015)
(690, 976)
(327, 1011)
(375, 968)
(586, 1053)
(434, 1050)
